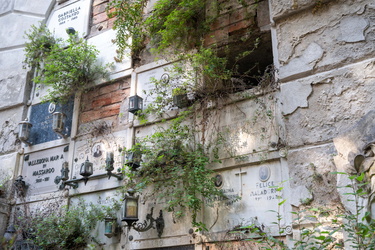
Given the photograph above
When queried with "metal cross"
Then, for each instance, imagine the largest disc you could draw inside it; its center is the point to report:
(240, 175)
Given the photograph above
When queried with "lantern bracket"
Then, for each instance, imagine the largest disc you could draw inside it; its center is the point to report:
(148, 223)
(71, 183)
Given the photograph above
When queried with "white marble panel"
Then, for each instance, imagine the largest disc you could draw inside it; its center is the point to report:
(256, 187)
(75, 15)
(107, 51)
(41, 168)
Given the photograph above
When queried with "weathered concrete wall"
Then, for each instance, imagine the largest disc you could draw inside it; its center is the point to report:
(327, 81)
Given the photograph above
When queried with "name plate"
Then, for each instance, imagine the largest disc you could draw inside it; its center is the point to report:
(40, 169)
(75, 15)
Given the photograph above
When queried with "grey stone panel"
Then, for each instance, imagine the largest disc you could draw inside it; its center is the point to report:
(338, 99)
(282, 8)
(13, 27)
(310, 170)
(12, 78)
(9, 120)
(337, 35)
(5, 6)
(39, 7)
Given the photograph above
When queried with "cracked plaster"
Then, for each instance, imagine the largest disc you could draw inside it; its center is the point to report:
(343, 32)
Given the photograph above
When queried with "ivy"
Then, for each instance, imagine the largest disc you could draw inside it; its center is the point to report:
(175, 165)
(65, 66)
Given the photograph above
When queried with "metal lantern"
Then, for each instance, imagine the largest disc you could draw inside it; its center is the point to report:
(130, 208)
(24, 131)
(109, 161)
(135, 104)
(110, 226)
(65, 171)
(86, 170)
(58, 122)
(9, 233)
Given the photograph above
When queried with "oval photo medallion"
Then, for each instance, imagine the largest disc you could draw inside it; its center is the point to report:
(264, 173)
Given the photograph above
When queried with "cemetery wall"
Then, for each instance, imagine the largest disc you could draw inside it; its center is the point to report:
(322, 118)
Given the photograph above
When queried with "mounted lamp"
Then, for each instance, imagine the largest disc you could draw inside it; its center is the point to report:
(130, 215)
(109, 167)
(86, 170)
(24, 131)
(135, 104)
(110, 227)
(58, 123)
(65, 177)
(10, 233)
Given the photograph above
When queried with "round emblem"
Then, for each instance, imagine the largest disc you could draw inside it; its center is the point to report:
(264, 173)
(51, 107)
(164, 78)
(218, 180)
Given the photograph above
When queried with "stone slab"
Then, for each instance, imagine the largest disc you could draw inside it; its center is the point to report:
(103, 199)
(41, 120)
(75, 15)
(310, 173)
(13, 28)
(145, 83)
(107, 51)
(40, 169)
(339, 98)
(247, 127)
(36, 7)
(256, 185)
(338, 34)
(6, 5)
(9, 119)
(8, 167)
(96, 151)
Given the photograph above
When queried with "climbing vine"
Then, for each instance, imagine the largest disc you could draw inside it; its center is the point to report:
(175, 158)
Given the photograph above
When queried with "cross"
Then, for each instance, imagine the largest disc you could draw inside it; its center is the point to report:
(240, 175)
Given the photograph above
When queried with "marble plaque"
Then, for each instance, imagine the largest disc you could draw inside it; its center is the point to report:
(41, 120)
(40, 169)
(247, 127)
(146, 78)
(75, 15)
(251, 194)
(107, 51)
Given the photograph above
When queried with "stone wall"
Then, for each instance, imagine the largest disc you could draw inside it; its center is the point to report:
(317, 120)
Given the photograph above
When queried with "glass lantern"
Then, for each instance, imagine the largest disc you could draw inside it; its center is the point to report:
(86, 170)
(135, 104)
(110, 227)
(130, 208)
(24, 130)
(109, 162)
(58, 122)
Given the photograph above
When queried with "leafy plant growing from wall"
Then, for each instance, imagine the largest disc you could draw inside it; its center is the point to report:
(67, 67)
(63, 227)
(177, 156)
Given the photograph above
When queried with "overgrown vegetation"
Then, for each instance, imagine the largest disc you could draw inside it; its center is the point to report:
(62, 227)
(176, 167)
(66, 67)
(176, 157)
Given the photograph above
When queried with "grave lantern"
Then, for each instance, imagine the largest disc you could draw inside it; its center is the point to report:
(110, 227)
(130, 208)
(86, 170)
(135, 103)
(24, 131)
(58, 123)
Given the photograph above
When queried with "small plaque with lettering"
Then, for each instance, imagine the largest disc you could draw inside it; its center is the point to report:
(40, 169)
